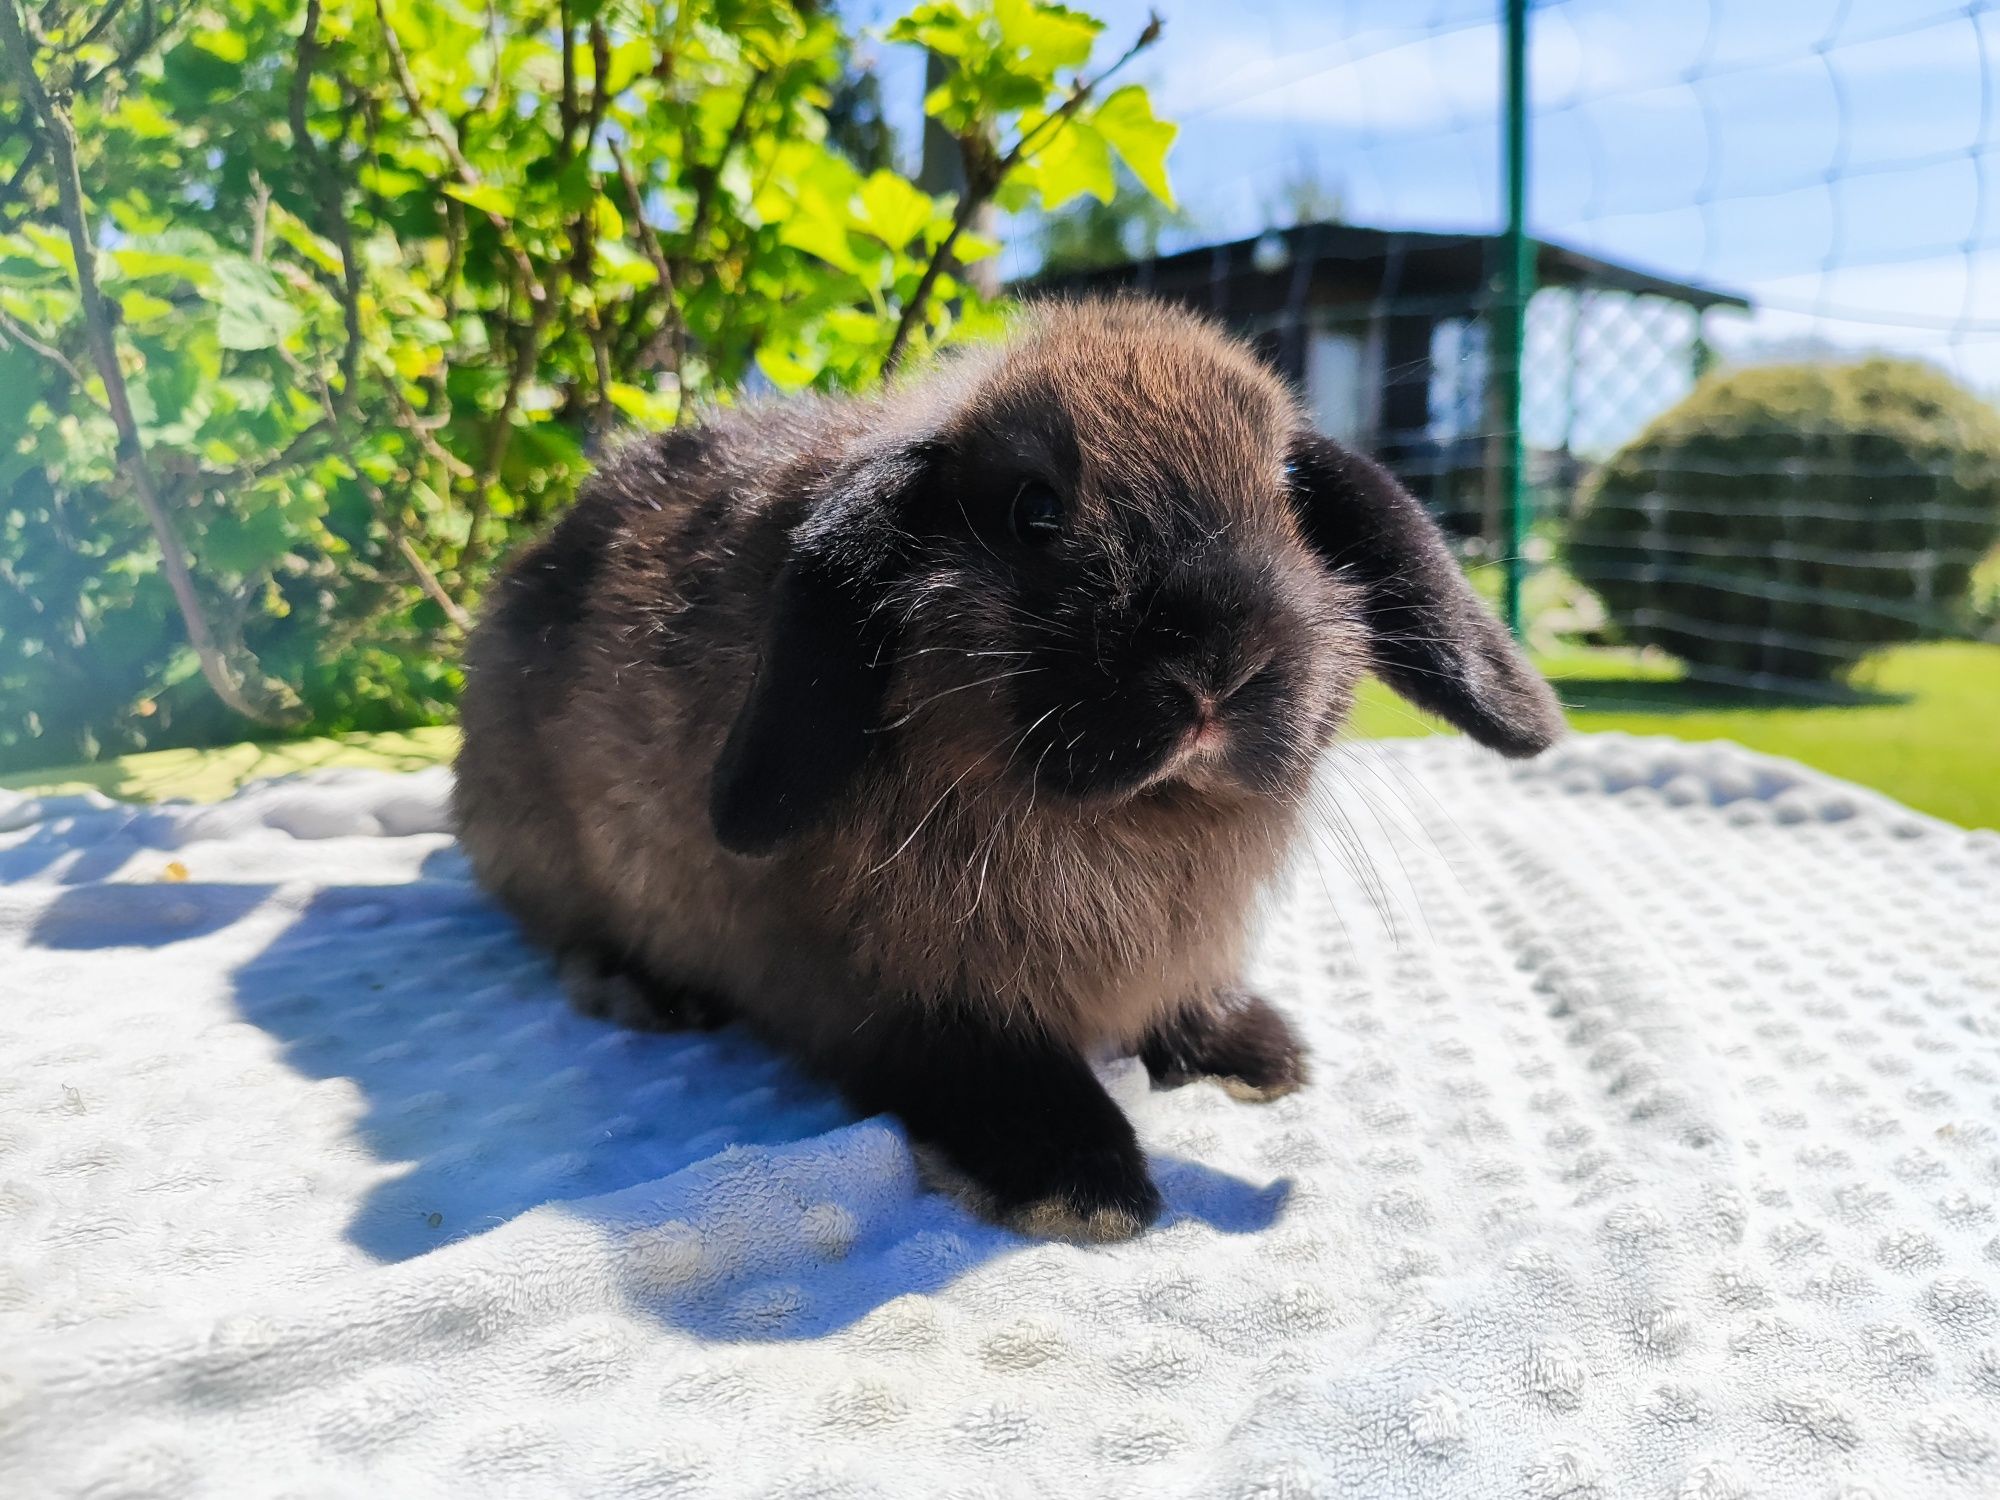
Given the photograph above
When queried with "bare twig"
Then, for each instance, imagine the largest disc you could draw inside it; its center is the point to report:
(566, 110)
(260, 221)
(150, 31)
(983, 179)
(674, 329)
(428, 582)
(424, 431)
(272, 705)
(687, 268)
(492, 99)
(29, 158)
(446, 141)
(913, 310)
(500, 435)
(600, 97)
(600, 350)
(711, 176)
(10, 329)
(583, 228)
(301, 449)
(541, 297)
(454, 256)
(419, 569)
(330, 199)
(104, 19)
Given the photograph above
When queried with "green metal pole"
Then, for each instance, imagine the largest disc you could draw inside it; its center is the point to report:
(1517, 285)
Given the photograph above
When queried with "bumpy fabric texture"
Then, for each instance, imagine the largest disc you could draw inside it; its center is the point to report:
(1652, 1150)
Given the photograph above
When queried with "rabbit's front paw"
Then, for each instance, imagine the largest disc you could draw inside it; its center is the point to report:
(1234, 1037)
(1086, 1196)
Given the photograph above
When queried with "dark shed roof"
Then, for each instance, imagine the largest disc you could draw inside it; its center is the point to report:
(1348, 262)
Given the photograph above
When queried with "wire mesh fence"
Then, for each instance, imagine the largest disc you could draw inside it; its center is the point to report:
(1760, 339)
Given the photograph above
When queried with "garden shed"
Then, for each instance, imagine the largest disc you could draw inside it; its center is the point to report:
(1384, 330)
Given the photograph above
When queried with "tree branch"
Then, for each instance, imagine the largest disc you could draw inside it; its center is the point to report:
(983, 179)
(419, 569)
(330, 201)
(277, 708)
(442, 136)
(109, 14)
(600, 69)
(501, 435)
(49, 352)
(566, 107)
(424, 431)
(29, 158)
(685, 268)
(150, 31)
(674, 329)
(260, 223)
(711, 178)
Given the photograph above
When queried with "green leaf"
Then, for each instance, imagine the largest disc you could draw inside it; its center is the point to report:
(610, 223)
(1074, 161)
(786, 369)
(486, 197)
(1141, 139)
(829, 242)
(142, 307)
(969, 247)
(943, 26)
(228, 45)
(192, 75)
(653, 408)
(21, 375)
(391, 182)
(54, 248)
(143, 118)
(315, 248)
(620, 265)
(140, 264)
(630, 59)
(894, 211)
(1046, 37)
(253, 311)
(242, 538)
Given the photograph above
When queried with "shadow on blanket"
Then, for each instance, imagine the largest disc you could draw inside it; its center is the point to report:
(478, 1078)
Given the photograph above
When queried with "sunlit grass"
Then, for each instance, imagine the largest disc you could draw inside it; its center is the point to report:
(1926, 731)
(1926, 728)
(207, 775)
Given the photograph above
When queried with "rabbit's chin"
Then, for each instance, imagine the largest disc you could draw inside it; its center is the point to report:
(1212, 767)
(1202, 759)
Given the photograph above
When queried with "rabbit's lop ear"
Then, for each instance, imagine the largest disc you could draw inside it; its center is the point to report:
(1430, 636)
(805, 727)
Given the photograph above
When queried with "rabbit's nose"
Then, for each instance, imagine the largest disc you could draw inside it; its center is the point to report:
(1216, 676)
(1246, 665)
(1201, 627)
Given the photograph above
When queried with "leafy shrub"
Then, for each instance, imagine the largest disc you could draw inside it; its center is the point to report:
(376, 277)
(1783, 521)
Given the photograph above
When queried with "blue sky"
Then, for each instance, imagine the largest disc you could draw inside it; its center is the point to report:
(1834, 159)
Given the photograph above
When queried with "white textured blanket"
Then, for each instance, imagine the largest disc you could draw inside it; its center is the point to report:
(1652, 1152)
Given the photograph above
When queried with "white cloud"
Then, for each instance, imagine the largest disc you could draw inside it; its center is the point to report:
(1384, 81)
(1910, 307)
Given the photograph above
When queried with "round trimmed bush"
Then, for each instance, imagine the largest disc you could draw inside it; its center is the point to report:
(1783, 521)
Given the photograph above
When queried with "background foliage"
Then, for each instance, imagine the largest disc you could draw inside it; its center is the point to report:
(379, 276)
(1783, 521)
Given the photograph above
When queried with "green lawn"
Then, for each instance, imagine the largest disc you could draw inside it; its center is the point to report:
(207, 775)
(1924, 727)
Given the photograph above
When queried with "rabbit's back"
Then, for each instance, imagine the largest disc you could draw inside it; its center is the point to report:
(602, 675)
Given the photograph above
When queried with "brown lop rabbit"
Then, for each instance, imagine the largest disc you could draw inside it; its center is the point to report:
(948, 736)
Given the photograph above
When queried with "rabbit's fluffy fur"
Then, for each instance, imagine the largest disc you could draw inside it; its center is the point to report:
(948, 736)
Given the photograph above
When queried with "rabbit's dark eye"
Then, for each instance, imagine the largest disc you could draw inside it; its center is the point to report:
(1037, 517)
